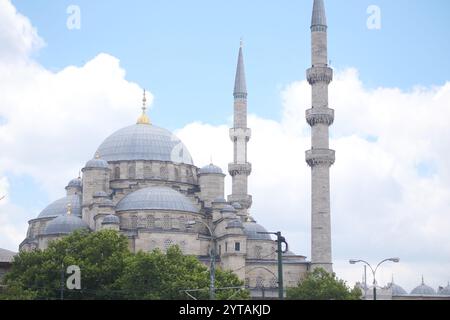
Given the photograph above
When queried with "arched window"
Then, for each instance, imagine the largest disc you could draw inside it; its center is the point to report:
(260, 282)
(167, 244)
(117, 173)
(148, 172)
(150, 222)
(274, 283)
(164, 173)
(166, 223)
(258, 252)
(177, 174)
(131, 172)
(134, 221)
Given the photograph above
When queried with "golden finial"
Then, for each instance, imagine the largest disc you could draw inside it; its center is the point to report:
(97, 156)
(144, 119)
(69, 209)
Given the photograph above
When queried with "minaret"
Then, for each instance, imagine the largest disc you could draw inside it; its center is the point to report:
(320, 158)
(240, 169)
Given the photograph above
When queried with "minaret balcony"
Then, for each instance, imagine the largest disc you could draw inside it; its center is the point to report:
(319, 74)
(236, 169)
(318, 157)
(240, 133)
(320, 116)
(245, 200)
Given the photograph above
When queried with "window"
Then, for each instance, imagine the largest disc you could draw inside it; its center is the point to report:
(167, 244)
(166, 223)
(258, 252)
(131, 172)
(226, 246)
(260, 282)
(177, 174)
(116, 173)
(274, 283)
(237, 246)
(220, 250)
(148, 172)
(164, 173)
(150, 222)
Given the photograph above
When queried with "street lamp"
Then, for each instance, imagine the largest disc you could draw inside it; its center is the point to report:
(280, 241)
(374, 271)
(212, 269)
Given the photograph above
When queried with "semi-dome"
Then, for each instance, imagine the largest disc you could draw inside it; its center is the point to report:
(210, 169)
(235, 224)
(423, 290)
(144, 142)
(75, 183)
(111, 219)
(65, 224)
(252, 229)
(156, 198)
(59, 207)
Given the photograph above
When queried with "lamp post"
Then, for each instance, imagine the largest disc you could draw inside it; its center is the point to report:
(280, 241)
(374, 271)
(212, 269)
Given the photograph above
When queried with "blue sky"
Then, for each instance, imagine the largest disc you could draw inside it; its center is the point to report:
(185, 51)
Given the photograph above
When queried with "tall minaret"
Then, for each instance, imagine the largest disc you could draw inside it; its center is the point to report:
(240, 169)
(320, 158)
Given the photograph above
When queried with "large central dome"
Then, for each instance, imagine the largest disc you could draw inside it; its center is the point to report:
(144, 142)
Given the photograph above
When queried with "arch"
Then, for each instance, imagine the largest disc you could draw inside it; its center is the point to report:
(131, 172)
(116, 173)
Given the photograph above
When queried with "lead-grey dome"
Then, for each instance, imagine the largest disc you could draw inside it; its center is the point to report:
(111, 219)
(210, 169)
(423, 290)
(252, 229)
(144, 142)
(156, 198)
(75, 183)
(59, 207)
(397, 290)
(65, 224)
(96, 164)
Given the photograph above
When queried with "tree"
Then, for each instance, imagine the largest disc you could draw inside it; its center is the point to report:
(166, 276)
(321, 285)
(110, 271)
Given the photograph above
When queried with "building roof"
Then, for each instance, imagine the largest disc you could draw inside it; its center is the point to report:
(252, 229)
(423, 290)
(75, 183)
(64, 225)
(319, 17)
(397, 290)
(144, 142)
(210, 169)
(156, 198)
(59, 207)
(96, 163)
(6, 255)
(111, 219)
(240, 84)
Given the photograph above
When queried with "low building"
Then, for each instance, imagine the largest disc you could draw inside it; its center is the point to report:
(6, 259)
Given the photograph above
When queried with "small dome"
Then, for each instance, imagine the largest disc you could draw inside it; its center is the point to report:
(156, 198)
(144, 142)
(237, 206)
(220, 200)
(111, 219)
(211, 169)
(445, 291)
(423, 290)
(96, 164)
(100, 194)
(235, 224)
(228, 208)
(65, 224)
(75, 183)
(397, 290)
(252, 230)
(59, 207)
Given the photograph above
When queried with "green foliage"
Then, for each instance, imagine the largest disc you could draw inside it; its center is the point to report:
(321, 285)
(110, 271)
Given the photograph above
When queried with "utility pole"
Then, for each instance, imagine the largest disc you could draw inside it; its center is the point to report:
(280, 240)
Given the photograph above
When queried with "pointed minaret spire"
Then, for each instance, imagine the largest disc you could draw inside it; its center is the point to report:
(240, 85)
(320, 158)
(240, 169)
(319, 17)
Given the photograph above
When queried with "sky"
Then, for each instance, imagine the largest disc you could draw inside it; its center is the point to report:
(64, 89)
